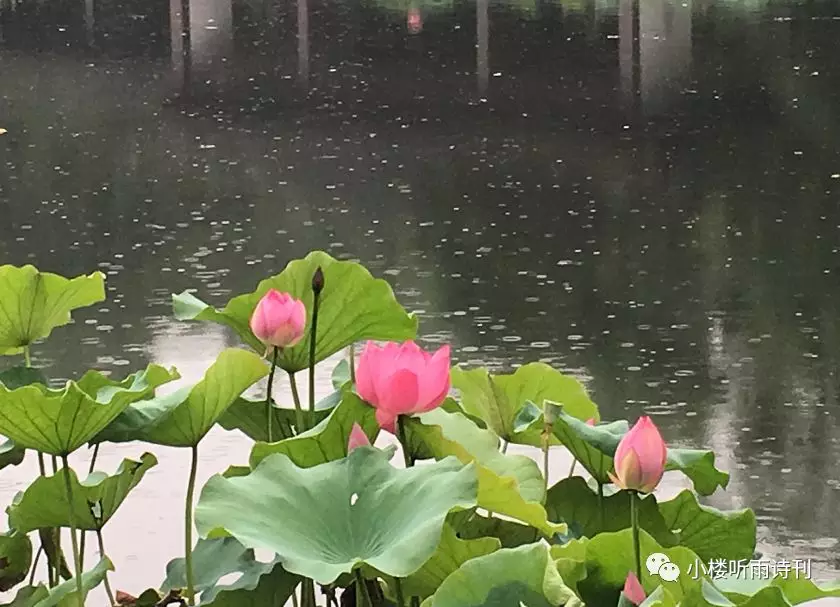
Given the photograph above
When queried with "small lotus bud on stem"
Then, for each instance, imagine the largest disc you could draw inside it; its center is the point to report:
(318, 281)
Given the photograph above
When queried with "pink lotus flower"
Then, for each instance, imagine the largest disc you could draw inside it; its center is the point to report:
(590, 421)
(633, 589)
(402, 379)
(357, 438)
(640, 458)
(279, 319)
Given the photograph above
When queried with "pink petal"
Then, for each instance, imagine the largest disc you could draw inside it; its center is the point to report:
(386, 420)
(399, 394)
(357, 438)
(434, 380)
(410, 357)
(366, 372)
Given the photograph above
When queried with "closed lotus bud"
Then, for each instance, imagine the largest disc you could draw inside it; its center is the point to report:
(633, 589)
(318, 281)
(640, 458)
(279, 319)
(357, 438)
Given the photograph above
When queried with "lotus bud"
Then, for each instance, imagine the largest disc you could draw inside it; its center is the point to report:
(640, 458)
(358, 438)
(633, 589)
(279, 319)
(318, 281)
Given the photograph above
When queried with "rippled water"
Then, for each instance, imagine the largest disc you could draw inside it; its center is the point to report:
(645, 198)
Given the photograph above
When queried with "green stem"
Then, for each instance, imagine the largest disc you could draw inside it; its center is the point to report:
(572, 469)
(188, 524)
(27, 356)
(401, 436)
(296, 397)
(105, 579)
(294, 598)
(269, 414)
(57, 534)
(362, 594)
(307, 593)
(505, 445)
(601, 503)
(68, 486)
(35, 565)
(545, 465)
(415, 601)
(634, 520)
(312, 337)
(400, 597)
(41, 465)
(353, 363)
(83, 532)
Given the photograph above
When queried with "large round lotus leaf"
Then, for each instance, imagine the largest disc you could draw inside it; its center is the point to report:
(511, 485)
(15, 558)
(33, 303)
(182, 418)
(505, 578)
(95, 500)
(60, 421)
(326, 520)
(354, 307)
(496, 399)
(594, 447)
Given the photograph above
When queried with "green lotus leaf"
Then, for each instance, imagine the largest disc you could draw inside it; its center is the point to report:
(259, 583)
(327, 441)
(15, 559)
(354, 307)
(13, 378)
(95, 500)
(33, 303)
(507, 577)
(66, 594)
(60, 421)
(658, 598)
(573, 502)
(248, 416)
(710, 533)
(511, 485)
(608, 558)
(792, 586)
(182, 418)
(497, 399)
(451, 553)
(472, 526)
(328, 519)
(28, 596)
(594, 447)
(55, 555)
(340, 374)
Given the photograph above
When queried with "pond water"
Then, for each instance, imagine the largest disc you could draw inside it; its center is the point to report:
(644, 196)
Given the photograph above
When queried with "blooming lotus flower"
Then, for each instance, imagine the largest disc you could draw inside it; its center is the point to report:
(633, 589)
(640, 458)
(402, 379)
(357, 438)
(279, 319)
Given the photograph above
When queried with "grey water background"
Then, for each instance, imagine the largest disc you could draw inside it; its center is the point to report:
(645, 196)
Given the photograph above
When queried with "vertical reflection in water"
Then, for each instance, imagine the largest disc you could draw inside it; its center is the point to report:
(179, 28)
(482, 22)
(303, 42)
(664, 47)
(90, 23)
(628, 46)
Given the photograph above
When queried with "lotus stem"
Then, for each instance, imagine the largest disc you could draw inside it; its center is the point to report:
(188, 523)
(634, 521)
(105, 579)
(83, 532)
(415, 601)
(317, 287)
(27, 356)
(77, 561)
(307, 593)
(401, 436)
(572, 469)
(57, 536)
(362, 594)
(269, 414)
(400, 597)
(601, 503)
(35, 565)
(545, 465)
(294, 598)
(505, 444)
(353, 363)
(296, 397)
